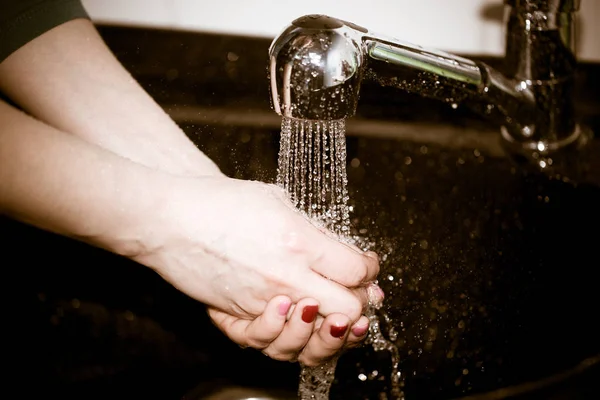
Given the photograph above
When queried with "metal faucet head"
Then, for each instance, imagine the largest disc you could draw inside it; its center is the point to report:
(315, 69)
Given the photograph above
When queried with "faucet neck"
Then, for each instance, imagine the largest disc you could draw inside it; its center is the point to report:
(540, 53)
(540, 45)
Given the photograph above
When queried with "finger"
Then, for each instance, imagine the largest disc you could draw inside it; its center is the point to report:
(358, 332)
(266, 327)
(331, 296)
(325, 342)
(296, 333)
(346, 266)
(257, 333)
(364, 295)
(375, 295)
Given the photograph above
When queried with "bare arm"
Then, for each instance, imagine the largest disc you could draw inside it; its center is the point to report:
(67, 168)
(61, 183)
(70, 80)
(228, 243)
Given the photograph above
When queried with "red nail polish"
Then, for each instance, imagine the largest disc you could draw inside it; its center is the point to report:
(309, 313)
(338, 331)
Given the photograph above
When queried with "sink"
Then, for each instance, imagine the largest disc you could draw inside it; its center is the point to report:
(489, 272)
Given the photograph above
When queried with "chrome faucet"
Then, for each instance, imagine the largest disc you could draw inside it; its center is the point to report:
(317, 64)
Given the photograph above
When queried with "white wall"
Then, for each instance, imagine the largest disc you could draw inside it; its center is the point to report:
(452, 25)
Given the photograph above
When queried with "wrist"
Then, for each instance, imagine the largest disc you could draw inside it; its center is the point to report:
(139, 231)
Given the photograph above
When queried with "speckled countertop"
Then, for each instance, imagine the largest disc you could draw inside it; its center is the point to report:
(489, 273)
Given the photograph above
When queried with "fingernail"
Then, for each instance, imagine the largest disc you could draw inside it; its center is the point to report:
(338, 331)
(284, 307)
(360, 330)
(309, 313)
(376, 295)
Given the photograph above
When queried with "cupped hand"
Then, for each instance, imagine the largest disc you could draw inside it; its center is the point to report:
(235, 245)
(296, 333)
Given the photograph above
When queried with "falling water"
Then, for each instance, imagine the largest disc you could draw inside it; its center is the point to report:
(312, 169)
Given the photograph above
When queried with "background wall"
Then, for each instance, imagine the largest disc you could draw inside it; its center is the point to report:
(466, 26)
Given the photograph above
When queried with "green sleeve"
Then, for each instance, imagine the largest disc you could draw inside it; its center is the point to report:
(23, 20)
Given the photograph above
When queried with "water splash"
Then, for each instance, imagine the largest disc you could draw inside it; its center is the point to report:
(380, 343)
(312, 169)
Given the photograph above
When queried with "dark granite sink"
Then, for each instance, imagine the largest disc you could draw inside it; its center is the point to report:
(490, 275)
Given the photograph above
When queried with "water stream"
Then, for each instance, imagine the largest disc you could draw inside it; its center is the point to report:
(312, 169)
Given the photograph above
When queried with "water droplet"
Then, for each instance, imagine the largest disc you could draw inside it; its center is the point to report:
(541, 146)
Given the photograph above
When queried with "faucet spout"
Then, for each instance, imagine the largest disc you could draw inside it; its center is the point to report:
(317, 65)
(452, 79)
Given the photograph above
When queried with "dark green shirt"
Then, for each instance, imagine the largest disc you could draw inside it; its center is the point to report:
(23, 20)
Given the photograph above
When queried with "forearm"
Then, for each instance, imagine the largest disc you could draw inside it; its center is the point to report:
(60, 183)
(69, 79)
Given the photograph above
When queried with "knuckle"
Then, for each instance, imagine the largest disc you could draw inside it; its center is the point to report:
(257, 343)
(362, 275)
(278, 356)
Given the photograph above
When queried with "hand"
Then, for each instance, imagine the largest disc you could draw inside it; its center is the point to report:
(302, 337)
(231, 244)
(235, 245)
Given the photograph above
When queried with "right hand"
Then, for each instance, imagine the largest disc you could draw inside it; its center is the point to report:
(235, 245)
(300, 337)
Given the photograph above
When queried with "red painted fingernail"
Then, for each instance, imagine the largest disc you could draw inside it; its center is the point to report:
(284, 307)
(338, 331)
(360, 330)
(309, 313)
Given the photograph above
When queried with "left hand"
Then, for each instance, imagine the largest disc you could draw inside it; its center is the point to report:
(304, 336)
